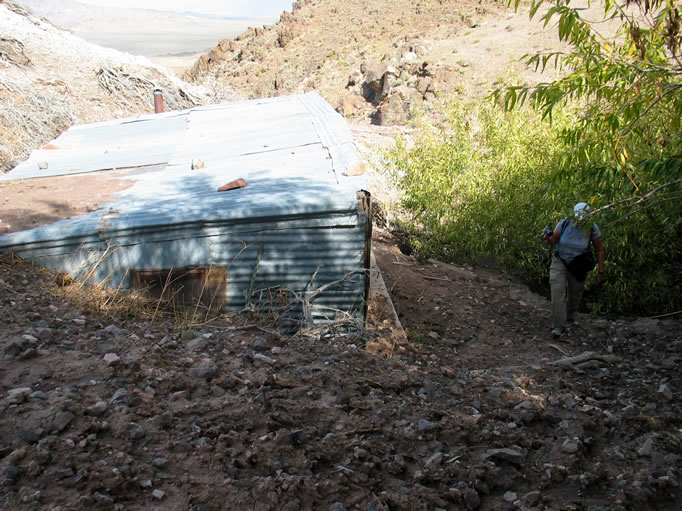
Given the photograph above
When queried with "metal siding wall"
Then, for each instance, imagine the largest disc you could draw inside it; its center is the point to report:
(290, 258)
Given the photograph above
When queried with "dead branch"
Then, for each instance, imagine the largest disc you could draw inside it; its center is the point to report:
(636, 199)
(559, 349)
(584, 357)
(436, 278)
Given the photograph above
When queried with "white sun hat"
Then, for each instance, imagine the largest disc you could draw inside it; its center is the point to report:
(581, 209)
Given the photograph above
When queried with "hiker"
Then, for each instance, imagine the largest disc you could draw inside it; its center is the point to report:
(571, 263)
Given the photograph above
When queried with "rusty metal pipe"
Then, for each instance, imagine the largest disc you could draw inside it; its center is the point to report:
(158, 100)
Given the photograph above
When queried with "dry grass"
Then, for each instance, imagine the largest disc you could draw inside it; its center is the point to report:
(134, 93)
(28, 119)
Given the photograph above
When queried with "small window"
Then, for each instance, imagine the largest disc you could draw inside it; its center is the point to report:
(205, 285)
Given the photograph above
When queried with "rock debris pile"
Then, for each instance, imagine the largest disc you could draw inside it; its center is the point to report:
(114, 413)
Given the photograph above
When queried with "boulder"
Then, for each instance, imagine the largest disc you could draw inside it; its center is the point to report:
(355, 78)
(397, 108)
(424, 84)
(393, 110)
(374, 76)
(351, 105)
(287, 33)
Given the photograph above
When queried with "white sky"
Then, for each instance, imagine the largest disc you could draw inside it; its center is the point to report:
(231, 8)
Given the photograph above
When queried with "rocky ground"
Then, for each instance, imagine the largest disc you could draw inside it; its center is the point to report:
(480, 409)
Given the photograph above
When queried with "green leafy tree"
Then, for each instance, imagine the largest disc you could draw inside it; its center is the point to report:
(629, 88)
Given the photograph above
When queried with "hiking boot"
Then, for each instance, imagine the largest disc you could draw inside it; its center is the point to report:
(557, 332)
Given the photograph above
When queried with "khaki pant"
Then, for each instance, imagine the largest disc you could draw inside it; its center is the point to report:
(566, 293)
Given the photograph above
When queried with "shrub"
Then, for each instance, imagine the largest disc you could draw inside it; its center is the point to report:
(481, 189)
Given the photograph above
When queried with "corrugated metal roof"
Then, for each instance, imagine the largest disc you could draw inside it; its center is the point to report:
(291, 150)
(298, 205)
(112, 145)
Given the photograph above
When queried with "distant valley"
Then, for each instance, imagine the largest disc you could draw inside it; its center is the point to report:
(151, 33)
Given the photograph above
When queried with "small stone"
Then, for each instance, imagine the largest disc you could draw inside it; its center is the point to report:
(670, 362)
(264, 358)
(570, 446)
(63, 473)
(112, 359)
(38, 394)
(524, 405)
(13, 348)
(104, 499)
(158, 494)
(136, 432)
(42, 164)
(16, 456)
(507, 454)
(531, 498)
(97, 409)
(434, 459)
(424, 425)
(31, 436)
(81, 475)
(177, 396)
(207, 370)
(259, 345)
(45, 334)
(666, 392)
(471, 498)
(18, 395)
(11, 472)
(631, 410)
(647, 448)
(671, 459)
(27, 354)
(197, 344)
(160, 462)
(510, 497)
(115, 331)
(62, 420)
(119, 396)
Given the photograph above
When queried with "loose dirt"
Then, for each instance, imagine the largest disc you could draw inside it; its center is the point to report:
(475, 411)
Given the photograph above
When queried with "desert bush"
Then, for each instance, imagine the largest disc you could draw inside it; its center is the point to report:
(28, 119)
(481, 189)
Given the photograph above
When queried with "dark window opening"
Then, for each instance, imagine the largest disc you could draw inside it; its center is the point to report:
(191, 286)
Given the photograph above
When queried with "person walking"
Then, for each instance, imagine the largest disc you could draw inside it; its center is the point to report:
(572, 240)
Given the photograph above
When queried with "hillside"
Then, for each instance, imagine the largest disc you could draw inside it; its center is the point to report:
(51, 79)
(377, 59)
(108, 404)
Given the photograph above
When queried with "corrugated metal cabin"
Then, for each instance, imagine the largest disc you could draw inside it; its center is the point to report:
(302, 222)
